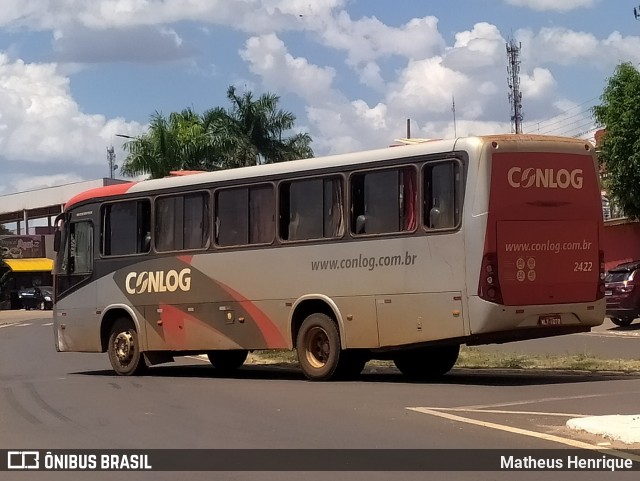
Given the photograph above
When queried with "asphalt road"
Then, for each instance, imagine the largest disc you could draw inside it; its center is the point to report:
(52, 400)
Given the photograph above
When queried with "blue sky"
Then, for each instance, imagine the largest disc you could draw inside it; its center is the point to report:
(75, 73)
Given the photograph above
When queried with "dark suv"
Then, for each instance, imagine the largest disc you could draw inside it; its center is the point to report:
(622, 290)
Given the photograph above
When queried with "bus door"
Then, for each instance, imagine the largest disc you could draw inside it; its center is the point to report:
(74, 266)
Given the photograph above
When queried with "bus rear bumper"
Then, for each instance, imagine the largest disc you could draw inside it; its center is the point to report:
(492, 323)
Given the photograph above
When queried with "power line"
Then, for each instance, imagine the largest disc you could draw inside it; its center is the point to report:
(561, 113)
(577, 127)
(563, 122)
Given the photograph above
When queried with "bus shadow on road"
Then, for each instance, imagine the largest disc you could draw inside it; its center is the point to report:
(480, 377)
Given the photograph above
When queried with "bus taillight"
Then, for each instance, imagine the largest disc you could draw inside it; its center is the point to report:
(601, 288)
(489, 288)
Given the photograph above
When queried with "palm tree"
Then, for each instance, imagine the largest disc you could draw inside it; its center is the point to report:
(178, 142)
(251, 131)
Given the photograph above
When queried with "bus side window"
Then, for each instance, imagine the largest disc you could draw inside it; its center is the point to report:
(440, 207)
(182, 222)
(245, 216)
(126, 228)
(311, 209)
(383, 201)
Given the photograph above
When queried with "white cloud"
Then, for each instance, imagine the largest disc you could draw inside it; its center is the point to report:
(568, 47)
(368, 38)
(479, 48)
(556, 5)
(538, 85)
(40, 121)
(268, 57)
(427, 86)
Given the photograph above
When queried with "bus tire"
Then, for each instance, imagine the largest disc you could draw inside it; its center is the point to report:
(227, 361)
(428, 362)
(318, 347)
(124, 349)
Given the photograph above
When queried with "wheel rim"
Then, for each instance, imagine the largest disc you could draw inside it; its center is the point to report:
(124, 348)
(318, 347)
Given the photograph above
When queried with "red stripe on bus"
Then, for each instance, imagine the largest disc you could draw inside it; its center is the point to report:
(270, 332)
(175, 323)
(186, 259)
(173, 327)
(108, 191)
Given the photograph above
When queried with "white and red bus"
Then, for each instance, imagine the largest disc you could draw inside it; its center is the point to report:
(401, 253)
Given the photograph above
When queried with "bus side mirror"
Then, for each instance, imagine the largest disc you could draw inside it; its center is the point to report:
(360, 224)
(56, 241)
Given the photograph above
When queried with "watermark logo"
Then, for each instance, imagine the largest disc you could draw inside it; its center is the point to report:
(23, 460)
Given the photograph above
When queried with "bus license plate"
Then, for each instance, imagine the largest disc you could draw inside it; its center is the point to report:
(550, 320)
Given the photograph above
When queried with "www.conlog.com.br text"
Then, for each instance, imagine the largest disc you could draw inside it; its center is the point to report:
(364, 262)
(555, 247)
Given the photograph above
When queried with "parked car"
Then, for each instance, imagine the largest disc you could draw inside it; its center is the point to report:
(36, 297)
(622, 290)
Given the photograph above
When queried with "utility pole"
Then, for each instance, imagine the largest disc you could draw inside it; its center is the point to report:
(513, 79)
(453, 109)
(111, 157)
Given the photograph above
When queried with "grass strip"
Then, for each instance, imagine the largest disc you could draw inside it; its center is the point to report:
(474, 358)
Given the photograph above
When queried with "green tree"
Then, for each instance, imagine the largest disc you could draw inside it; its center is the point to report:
(619, 114)
(178, 142)
(251, 132)
(4, 230)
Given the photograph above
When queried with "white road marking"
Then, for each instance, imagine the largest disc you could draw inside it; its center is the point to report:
(499, 411)
(526, 432)
(543, 400)
(24, 325)
(9, 324)
(48, 324)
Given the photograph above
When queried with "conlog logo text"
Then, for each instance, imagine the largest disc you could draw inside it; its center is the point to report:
(158, 281)
(546, 178)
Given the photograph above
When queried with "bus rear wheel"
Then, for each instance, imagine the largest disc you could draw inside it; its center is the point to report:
(227, 361)
(318, 347)
(124, 349)
(427, 362)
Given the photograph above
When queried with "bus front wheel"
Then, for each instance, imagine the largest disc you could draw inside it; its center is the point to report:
(427, 362)
(124, 349)
(227, 361)
(318, 347)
